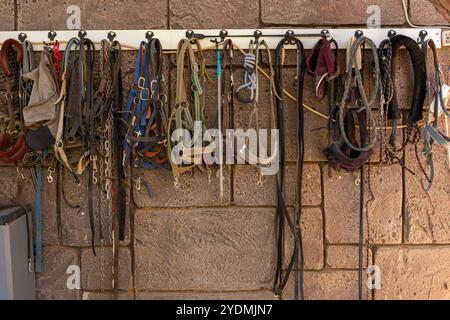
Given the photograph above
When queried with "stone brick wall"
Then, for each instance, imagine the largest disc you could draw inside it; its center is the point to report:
(184, 244)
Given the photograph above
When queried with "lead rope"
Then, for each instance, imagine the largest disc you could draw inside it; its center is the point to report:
(187, 117)
(431, 132)
(296, 263)
(228, 56)
(219, 120)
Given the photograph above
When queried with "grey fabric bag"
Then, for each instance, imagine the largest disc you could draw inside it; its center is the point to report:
(40, 114)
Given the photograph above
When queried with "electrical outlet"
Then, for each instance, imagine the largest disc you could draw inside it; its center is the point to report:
(446, 38)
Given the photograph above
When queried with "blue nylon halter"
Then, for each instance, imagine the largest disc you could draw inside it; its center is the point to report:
(140, 89)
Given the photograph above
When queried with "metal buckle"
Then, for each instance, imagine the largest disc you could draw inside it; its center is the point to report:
(145, 97)
(141, 83)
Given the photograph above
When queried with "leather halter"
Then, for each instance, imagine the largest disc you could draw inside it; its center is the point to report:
(146, 132)
(184, 116)
(59, 147)
(245, 153)
(12, 142)
(320, 64)
(296, 262)
(431, 131)
(347, 154)
(419, 92)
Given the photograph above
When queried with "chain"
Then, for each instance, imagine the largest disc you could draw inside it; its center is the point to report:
(369, 200)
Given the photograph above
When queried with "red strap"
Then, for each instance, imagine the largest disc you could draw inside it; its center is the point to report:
(57, 57)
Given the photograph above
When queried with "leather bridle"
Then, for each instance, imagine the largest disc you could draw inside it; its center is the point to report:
(296, 263)
(184, 116)
(12, 140)
(348, 155)
(432, 134)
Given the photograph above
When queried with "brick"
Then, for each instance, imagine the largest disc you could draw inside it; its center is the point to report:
(427, 217)
(312, 186)
(240, 295)
(312, 239)
(413, 273)
(52, 281)
(107, 295)
(346, 257)
(342, 206)
(96, 271)
(94, 14)
(212, 14)
(327, 12)
(423, 12)
(205, 249)
(247, 191)
(7, 15)
(50, 233)
(165, 194)
(327, 285)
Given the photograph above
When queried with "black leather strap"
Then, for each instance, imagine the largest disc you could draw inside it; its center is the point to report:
(296, 263)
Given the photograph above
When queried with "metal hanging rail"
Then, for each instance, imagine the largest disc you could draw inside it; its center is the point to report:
(130, 39)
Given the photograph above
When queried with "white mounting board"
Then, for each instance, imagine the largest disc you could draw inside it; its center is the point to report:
(169, 38)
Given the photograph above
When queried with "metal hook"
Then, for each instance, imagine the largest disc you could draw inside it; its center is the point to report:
(22, 37)
(111, 36)
(325, 33)
(82, 34)
(149, 35)
(391, 34)
(358, 34)
(422, 35)
(223, 34)
(257, 34)
(52, 35)
(189, 34)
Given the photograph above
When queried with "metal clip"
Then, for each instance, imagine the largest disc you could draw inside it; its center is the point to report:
(358, 181)
(138, 184)
(259, 183)
(20, 173)
(50, 170)
(141, 83)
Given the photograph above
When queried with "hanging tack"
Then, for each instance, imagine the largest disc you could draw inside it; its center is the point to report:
(51, 35)
(111, 36)
(22, 37)
(82, 34)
